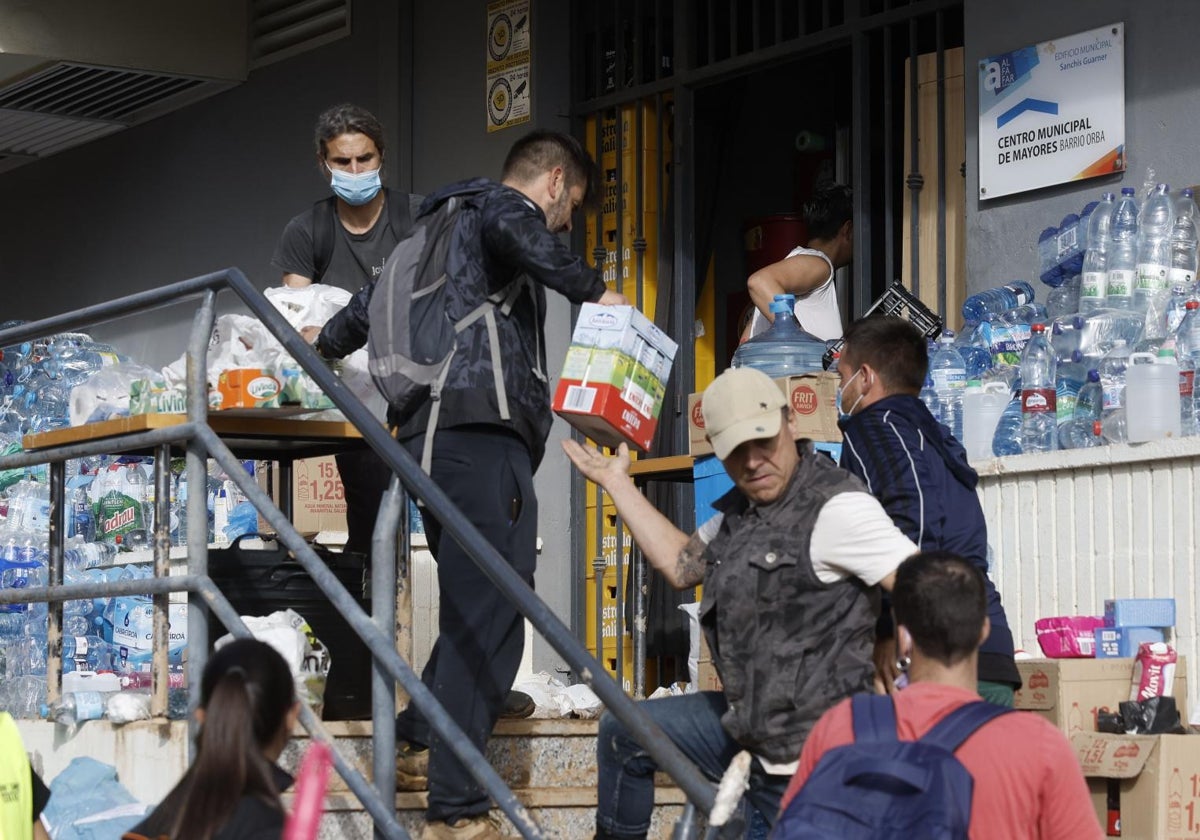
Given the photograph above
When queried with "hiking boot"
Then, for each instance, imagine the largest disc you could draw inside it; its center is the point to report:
(412, 767)
(480, 827)
(517, 705)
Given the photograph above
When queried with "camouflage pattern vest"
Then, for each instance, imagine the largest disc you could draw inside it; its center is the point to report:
(786, 646)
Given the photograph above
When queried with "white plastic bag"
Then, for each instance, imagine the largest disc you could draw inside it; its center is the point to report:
(290, 634)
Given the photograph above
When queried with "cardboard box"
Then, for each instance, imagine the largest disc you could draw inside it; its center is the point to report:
(1159, 779)
(813, 397)
(1140, 612)
(244, 388)
(706, 672)
(318, 497)
(1069, 692)
(615, 376)
(1124, 641)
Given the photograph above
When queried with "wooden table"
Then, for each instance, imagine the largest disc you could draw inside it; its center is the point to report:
(667, 468)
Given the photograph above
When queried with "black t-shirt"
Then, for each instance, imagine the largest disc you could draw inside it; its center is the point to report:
(252, 819)
(357, 258)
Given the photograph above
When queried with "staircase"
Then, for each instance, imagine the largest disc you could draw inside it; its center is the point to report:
(549, 764)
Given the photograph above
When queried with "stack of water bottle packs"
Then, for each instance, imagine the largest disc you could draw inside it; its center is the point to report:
(106, 641)
(1109, 357)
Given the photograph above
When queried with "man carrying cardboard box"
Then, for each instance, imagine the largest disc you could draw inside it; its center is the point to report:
(1027, 781)
(791, 568)
(919, 473)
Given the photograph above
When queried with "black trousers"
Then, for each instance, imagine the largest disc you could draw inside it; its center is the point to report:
(365, 477)
(488, 474)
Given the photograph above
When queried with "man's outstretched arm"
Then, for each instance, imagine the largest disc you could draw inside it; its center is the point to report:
(677, 556)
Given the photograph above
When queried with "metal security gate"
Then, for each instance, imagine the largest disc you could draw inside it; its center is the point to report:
(640, 68)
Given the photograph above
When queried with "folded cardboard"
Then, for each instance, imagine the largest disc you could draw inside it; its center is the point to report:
(812, 396)
(1140, 612)
(615, 376)
(1124, 641)
(1157, 777)
(1069, 692)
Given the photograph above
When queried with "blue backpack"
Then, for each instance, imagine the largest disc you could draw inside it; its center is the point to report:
(880, 787)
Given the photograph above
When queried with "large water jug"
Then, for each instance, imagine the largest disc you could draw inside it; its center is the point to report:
(785, 348)
(1152, 396)
(982, 406)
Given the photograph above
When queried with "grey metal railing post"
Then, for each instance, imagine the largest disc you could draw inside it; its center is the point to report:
(160, 675)
(383, 611)
(197, 500)
(54, 575)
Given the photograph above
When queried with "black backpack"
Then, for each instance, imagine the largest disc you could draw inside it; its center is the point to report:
(413, 329)
(326, 227)
(881, 788)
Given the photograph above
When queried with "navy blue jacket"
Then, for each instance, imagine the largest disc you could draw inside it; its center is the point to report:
(920, 475)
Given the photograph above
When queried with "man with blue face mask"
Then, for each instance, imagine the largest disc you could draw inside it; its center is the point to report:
(920, 475)
(342, 241)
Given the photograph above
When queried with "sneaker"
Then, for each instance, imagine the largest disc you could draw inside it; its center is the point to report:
(481, 827)
(517, 705)
(412, 767)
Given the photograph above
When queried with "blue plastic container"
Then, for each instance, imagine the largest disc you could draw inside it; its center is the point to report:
(785, 349)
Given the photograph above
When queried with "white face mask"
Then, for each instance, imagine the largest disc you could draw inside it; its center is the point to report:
(841, 389)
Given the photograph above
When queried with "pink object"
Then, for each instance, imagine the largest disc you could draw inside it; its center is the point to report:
(1153, 671)
(1068, 636)
(311, 782)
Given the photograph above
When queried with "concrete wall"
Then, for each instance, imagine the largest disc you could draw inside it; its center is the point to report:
(1161, 119)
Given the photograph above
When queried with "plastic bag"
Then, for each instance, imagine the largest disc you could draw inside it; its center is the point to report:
(106, 393)
(291, 636)
(88, 803)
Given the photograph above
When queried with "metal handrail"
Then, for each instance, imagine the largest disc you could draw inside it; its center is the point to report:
(202, 440)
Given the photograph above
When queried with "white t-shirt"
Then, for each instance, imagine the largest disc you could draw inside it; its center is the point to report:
(817, 311)
(852, 537)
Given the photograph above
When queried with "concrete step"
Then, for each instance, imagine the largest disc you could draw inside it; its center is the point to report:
(549, 764)
(562, 814)
(526, 753)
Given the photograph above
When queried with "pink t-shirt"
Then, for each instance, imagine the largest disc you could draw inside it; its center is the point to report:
(1027, 780)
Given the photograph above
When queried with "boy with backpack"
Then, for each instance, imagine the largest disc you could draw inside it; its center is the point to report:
(456, 344)
(986, 772)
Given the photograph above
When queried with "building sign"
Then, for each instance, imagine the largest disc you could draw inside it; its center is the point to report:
(508, 42)
(1052, 113)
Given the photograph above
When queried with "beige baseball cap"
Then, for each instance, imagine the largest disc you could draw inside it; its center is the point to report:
(741, 404)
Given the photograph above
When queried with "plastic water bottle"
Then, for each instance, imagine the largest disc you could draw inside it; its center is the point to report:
(75, 708)
(91, 652)
(1065, 299)
(1069, 379)
(1081, 433)
(785, 348)
(1112, 375)
(1039, 425)
(1093, 288)
(949, 374)
(1122, 254)
(1183, 241)
(994, 302)
(929, 396)
(1048, 270)
(1070, 242)
(1008, 437)
(1065, 336)
(1152, 396)
(1089, 403)
(1115, 427)
(1187, 347)
(1154, 246)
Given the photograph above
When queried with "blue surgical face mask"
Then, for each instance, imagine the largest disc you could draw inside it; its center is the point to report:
(355, 189)
(842, 415)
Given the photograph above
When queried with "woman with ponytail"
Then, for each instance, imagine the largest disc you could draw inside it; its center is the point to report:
(231, 792)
